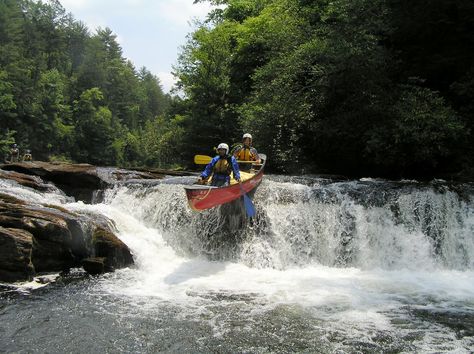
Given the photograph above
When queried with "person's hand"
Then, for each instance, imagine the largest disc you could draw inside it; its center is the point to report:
(199, 180)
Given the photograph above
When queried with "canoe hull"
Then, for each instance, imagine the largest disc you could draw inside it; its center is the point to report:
(206, 197)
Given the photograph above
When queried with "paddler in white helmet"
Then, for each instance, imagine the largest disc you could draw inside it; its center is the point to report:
(221, 167)
(246, 152)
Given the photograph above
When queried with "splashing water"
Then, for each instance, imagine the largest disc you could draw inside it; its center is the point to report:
(351, 224)
(325, 266)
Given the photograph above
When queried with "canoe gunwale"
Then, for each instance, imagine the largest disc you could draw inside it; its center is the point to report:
(202, 197)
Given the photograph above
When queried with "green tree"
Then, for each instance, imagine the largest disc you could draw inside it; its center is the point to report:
(162, 141)
(7, 103)
(323, 85)
(49, 62)
(422, 134)
(153, 102)
(95, 133)
(48, 131)
(203, 73)
(6, 140)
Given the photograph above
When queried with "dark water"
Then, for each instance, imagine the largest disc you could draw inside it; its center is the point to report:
(80, 317)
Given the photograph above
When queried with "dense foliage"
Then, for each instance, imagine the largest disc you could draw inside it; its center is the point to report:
(68, 94)
(379, 87)
(360, 87)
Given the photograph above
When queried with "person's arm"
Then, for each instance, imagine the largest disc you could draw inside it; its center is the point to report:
(208, 170)
(235, 168)
(237, 151)
(255, 156)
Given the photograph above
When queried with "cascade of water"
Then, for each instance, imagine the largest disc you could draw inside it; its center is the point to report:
(53, 195)
(346, 264)
(365, 224)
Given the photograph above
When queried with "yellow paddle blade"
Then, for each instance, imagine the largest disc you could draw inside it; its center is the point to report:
(202, 159)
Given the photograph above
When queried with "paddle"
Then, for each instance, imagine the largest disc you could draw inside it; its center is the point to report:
(249, 207)
(204, 160)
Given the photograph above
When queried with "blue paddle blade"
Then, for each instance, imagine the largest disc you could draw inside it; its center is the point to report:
(249, 207)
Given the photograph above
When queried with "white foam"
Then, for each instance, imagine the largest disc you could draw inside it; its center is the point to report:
(54, 196)
(393, 264)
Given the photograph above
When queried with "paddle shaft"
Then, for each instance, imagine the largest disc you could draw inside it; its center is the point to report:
(204, 160)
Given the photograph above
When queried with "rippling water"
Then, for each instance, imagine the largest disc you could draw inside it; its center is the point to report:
(368, 266)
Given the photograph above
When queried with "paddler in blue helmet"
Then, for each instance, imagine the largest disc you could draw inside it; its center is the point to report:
(221, 167)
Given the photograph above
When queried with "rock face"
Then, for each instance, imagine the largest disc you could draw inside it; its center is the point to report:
(80, 181)
(15, 254)
(107, 246)
(25, 180)
(77, 180)
(46, 238)
(108, 253)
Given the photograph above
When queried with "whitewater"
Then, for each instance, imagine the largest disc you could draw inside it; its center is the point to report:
(326, 266)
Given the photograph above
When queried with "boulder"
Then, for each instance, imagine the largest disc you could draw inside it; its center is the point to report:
(77, 180)
(49, 238)
(82, 181)
(15, 254)
(106, 245)
(58, 240)
(26, 180)
(52, 237)
(94, 265)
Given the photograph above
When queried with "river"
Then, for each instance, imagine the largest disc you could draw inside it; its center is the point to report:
(326, 266)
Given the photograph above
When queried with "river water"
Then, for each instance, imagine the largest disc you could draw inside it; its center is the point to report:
(326, 266)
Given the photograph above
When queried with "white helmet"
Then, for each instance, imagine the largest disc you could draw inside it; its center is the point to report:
(224, 146)
(247, 135)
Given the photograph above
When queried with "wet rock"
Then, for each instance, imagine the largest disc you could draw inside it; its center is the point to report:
(107, 245)
(25, 180)
(77, 180)
(82, 181)
(94, 265)
(46, 279)
(60, 173)
(50, 239)
(58, 240)
(6, 198)
(152, 173)
(15, 254)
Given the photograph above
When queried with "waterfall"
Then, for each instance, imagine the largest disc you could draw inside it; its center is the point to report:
(325, 266)
(367, 224)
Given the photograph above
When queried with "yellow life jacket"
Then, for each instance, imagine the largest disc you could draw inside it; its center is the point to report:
(244, 154)
(223, 167)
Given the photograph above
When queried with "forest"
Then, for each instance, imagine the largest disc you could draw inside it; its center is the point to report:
(355, 87)
(69, 95)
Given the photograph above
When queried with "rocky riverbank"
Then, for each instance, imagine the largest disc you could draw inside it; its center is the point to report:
(39, 238)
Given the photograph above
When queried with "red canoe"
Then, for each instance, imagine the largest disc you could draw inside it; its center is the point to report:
(201, 197)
